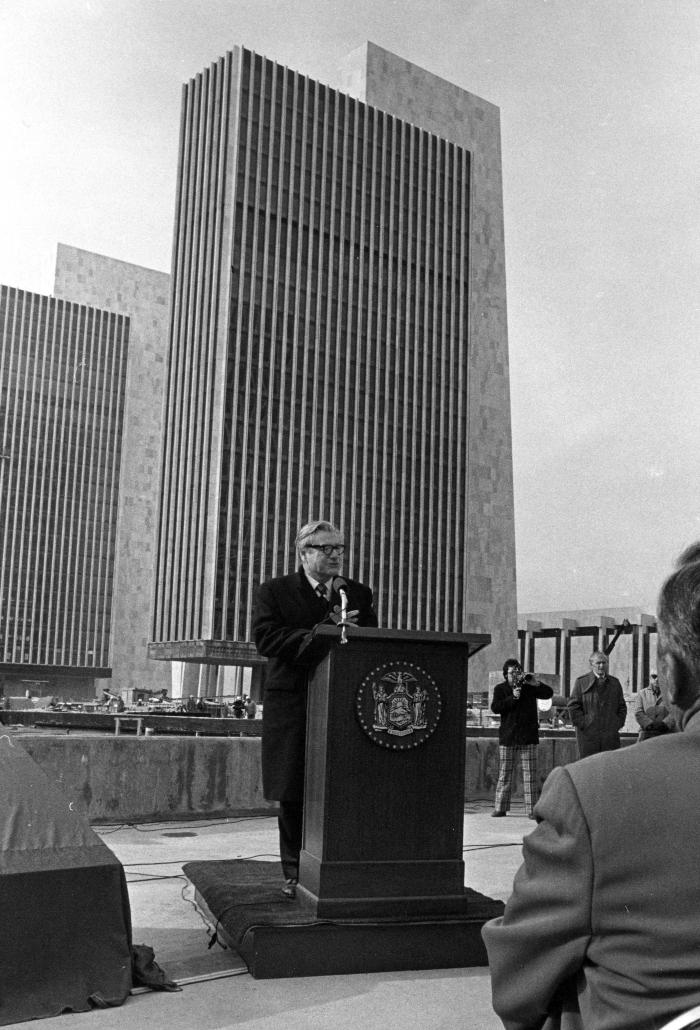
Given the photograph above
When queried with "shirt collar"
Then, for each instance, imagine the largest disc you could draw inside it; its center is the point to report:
(317, 582)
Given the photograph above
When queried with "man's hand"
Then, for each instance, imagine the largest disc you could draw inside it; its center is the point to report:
(337, 615)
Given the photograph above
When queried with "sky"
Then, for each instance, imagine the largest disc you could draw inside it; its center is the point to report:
(600, 108)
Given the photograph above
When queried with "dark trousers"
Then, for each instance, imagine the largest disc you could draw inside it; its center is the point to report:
(291, 825)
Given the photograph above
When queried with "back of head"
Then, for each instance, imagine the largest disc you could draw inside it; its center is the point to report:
(678, 619)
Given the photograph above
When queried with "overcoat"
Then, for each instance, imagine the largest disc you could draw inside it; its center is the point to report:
(286, 610)
(602, 930)
(598, 714)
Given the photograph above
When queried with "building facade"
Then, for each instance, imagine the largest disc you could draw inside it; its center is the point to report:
(62, 393)
(143, 295)
(338, 349)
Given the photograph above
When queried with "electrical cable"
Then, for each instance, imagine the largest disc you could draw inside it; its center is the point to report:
(108, 828)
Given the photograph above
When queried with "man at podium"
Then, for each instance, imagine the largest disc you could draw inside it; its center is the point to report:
(286, 611)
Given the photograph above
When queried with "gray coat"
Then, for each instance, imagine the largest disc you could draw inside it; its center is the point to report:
(601, 931)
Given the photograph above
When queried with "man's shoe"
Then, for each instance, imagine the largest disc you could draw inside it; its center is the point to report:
(497, 815)
(290, 887)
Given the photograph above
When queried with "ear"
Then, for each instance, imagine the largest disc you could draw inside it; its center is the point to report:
(677, 683)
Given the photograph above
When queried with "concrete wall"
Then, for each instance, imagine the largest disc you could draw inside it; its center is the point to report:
(482, 764)
(152, 779)
(146, 779)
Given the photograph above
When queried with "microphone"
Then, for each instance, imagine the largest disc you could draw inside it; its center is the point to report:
(339, 585)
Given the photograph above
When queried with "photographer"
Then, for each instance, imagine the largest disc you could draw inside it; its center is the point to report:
(515, 700)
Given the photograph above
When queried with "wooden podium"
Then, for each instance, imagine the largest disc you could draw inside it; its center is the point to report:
(384, 801)
(381, 877)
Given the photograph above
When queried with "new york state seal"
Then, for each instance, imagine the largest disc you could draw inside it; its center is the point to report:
(398, 705)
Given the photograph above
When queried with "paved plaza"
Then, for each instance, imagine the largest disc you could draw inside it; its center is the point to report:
(217, 991)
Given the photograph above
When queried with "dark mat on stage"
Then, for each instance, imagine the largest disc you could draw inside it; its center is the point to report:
(267, 929)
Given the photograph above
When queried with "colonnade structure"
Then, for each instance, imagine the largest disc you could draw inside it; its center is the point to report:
(562, 642)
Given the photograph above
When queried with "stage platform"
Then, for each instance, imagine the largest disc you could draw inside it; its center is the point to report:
(277, 936)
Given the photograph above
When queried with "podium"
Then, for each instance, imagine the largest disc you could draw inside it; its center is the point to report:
(384, 799)
(381, 874)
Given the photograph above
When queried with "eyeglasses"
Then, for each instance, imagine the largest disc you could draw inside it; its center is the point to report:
(328, 549)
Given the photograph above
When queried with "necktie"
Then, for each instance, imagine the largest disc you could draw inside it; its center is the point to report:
(321, 591)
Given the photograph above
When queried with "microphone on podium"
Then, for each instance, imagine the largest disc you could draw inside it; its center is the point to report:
(339, 585)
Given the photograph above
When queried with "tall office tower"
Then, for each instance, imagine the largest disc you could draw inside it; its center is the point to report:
(338, 349)
(62, 382)
(143, 294)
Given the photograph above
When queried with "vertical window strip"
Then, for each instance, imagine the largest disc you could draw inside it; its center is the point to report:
(180, 418)
(354, 342)
(264, 554)
(324, 427)
(465, 348)
(264, 373)
(242, 397)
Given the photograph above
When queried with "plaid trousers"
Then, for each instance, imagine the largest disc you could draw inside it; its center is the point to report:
(506, 768)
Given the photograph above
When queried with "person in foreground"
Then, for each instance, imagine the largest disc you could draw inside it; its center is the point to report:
(602, 931)
(286, 611)
(515, 700)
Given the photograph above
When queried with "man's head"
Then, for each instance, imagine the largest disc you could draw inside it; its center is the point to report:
(599, 664)
(511, 669)
(678, 623)
(312, 542)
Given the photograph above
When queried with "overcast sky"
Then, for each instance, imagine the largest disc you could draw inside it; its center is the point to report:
(600, 116)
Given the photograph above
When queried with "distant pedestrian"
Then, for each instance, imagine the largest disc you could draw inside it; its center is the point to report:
(597, 708)
(650, 711)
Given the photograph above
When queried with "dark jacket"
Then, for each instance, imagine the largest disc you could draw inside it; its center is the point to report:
(519, 717)
(286, 610)
(597, 713)
(604, 911)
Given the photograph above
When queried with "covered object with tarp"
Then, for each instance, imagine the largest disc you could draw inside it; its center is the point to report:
(65, 943)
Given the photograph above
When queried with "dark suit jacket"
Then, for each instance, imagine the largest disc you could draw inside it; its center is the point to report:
(286, 610)
(605, 910)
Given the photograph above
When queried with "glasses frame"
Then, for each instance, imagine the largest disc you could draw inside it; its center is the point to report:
(327, 549)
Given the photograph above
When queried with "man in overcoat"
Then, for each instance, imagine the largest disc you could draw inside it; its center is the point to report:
(601, 931)
(597, 708)
(286, 611)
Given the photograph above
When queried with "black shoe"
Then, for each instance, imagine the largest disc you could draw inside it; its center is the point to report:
(498, 815)
(290, 887)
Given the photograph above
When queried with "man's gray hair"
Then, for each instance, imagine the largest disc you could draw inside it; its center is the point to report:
(678, 610)
(307, 531)
(598, 654)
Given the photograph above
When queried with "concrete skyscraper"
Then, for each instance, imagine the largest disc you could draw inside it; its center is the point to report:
(62, 389)
(338, 349)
